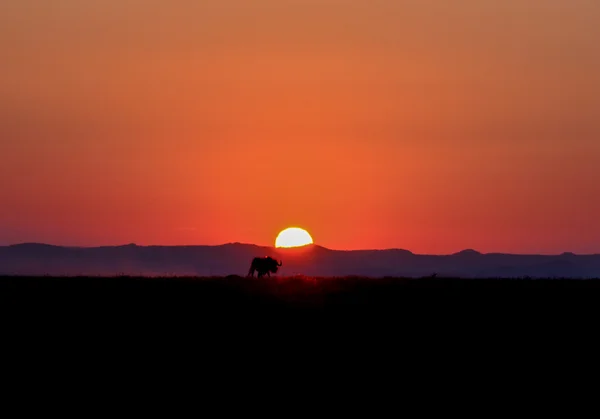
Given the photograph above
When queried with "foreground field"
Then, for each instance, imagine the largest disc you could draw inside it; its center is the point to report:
(234, 293)
(234, 315)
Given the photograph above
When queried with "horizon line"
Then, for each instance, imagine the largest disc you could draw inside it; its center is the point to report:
(467, 250)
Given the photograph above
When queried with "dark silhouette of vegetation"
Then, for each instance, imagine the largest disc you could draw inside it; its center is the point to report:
(234, 292)
(237, 313)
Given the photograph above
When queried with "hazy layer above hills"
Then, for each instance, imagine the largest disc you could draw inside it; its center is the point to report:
(234, 259)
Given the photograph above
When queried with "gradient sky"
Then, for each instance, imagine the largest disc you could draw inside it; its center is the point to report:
(429, 125)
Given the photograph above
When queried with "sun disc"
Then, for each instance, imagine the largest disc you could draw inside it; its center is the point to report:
(293, 237)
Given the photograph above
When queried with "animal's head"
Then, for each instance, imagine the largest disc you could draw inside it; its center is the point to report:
(272, 264)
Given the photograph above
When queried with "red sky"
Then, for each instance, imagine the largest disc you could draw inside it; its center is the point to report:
(428, 125)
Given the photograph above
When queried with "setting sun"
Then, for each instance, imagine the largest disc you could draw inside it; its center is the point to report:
(293, 237)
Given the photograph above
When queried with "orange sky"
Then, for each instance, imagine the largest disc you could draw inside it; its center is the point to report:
(428, 125)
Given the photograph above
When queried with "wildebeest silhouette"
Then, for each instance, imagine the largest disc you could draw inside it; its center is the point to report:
(264, 266)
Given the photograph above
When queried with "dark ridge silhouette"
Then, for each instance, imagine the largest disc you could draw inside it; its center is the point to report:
(312, 260)
(468, 252)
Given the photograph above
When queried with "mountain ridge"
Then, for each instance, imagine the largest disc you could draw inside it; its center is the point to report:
(313, 260)
(391, 249)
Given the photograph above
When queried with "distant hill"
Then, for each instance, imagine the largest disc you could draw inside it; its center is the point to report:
(234, 259)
